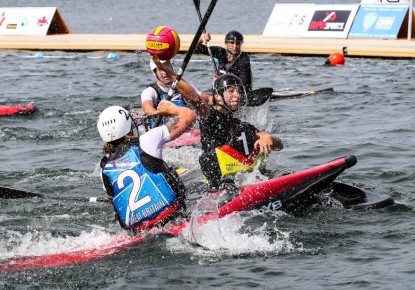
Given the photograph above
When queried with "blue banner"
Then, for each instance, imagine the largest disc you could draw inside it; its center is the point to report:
(378, 21)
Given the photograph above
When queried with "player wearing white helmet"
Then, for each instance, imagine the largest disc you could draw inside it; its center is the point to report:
(144, 190)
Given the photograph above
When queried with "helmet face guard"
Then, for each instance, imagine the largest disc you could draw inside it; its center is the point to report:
(230, 89)
(234, 37)
(153, 68)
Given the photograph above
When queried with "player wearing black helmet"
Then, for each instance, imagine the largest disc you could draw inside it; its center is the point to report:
(219, 126)
(232, 59)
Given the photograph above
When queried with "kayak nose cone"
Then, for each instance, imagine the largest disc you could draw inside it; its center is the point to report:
(351, 160)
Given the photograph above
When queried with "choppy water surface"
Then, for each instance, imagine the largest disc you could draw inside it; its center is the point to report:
(55, 152)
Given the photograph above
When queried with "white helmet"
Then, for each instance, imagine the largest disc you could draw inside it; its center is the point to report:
(114, 123)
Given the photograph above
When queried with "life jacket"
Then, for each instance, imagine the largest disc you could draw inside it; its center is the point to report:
(176, 99)
(239, 153)
(141, 197)
(228, 146)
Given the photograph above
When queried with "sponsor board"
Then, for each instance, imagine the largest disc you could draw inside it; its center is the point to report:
(310, 20)
(332, 21)
(289, 20)
(384, 1)
(378, 21)
(37, 21)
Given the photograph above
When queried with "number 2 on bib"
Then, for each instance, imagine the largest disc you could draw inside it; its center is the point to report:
(133, 202)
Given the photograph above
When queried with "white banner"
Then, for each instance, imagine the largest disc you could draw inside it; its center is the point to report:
(385, 1)
(310, 20)
(289, 20)
(31, 21)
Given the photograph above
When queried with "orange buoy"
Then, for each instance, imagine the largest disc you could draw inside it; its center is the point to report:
(336, 58)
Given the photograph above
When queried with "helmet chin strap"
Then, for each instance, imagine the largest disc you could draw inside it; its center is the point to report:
(235, 55)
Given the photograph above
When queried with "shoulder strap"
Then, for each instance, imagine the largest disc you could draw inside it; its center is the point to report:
(158, 90)
(104, 161)
(156, 165)
(152, 163)
(120, 150)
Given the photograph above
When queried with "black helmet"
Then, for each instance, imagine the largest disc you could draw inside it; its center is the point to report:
(224, 81)
(234, 36)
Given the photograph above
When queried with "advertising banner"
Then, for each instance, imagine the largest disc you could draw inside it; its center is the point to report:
(378, 21)
(385, 1)
(289, 20)
(38, 21)
(332, 21)
(310, 20)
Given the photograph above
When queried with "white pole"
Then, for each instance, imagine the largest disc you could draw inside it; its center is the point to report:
(410, 20)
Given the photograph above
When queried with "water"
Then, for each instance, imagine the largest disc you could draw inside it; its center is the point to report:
(55, 152)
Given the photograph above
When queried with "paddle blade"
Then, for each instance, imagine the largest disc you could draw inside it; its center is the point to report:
(189, 54)
(11, 193)
(258, 97)
(286, 94)
(352, 197)
(197, 4)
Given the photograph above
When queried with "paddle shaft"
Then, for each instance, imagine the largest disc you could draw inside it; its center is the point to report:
(282, 94)
(12, 193)
(260, 96)
(189, 54)
(256, 98)
(197, 5)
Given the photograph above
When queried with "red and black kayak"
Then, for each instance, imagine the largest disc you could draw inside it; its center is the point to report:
(287, 193)
(18, 109)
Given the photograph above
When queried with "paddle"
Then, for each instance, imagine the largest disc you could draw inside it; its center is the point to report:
(11, 193)
(255, 98)
(352, 197)
(197, 5)
(293, 94)
(189, 54)
(258, 97)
